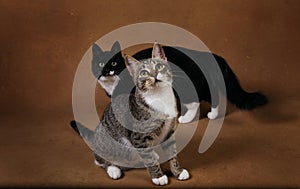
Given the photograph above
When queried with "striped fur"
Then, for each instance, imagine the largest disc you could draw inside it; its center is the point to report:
(131, 121)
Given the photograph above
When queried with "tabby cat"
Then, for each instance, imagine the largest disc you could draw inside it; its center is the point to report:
(108, 67)
(150, 121)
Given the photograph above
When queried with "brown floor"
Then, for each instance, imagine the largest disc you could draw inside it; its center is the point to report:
(42, 43)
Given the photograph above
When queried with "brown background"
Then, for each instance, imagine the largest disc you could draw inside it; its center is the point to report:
(42, 43)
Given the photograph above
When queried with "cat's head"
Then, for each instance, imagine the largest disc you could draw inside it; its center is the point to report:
(150, 74)
(107, 63)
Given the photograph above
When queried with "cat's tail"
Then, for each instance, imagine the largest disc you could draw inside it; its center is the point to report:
(84, 132)
(235, 93)
(247, 101)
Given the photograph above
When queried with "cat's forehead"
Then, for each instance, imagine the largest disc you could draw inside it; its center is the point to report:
(105, 57)
(151, 62)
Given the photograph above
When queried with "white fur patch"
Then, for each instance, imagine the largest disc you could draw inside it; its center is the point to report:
(162, 99)
(113, 172)
(214, 113)
(109, 83)
(190, 114)
(184, 175)
(111, 73)
(160, 76)
(163, 180)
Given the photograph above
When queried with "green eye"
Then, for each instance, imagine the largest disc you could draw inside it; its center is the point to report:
(114, 63)
(144, 73)
(101, 64)
(159, 67)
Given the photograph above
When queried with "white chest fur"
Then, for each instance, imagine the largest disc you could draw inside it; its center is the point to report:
(109, 83)
(162, 100)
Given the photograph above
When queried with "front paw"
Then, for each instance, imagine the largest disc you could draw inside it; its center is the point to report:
(163, 180)
(212, 115)
(185, 119)
(184, 175)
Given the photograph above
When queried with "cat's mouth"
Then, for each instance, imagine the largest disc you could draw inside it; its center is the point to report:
(161, 83)
(107, 77)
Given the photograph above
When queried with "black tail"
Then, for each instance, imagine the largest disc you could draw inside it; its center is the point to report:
(247, 101)
(83, 131)
(235, 93)
(74, 126)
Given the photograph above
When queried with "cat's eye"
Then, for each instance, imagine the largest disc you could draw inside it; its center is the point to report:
(101, 64)
(144, 73)
(159, 67)
(114, 63)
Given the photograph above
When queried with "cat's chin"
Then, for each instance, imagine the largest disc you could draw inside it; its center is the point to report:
(109, 83)
(156, 87)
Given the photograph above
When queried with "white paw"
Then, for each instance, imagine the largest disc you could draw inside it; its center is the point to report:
(212, 115)
(184, 175)
(163, 180)
(192, 109)
(114, 172)
(185, 119)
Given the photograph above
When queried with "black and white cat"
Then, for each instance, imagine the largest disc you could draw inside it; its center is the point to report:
(108, 66)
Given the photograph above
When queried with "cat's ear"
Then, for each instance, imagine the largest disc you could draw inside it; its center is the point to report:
(158, 52)
(116, 48)
(131, 64)
(96, 50)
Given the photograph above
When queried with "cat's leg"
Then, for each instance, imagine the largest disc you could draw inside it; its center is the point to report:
(133, 157)
(150, 158)
(113, 171)
(177, 171)
(169, 146)
(157, 176)
(213, 98)
(192, 109)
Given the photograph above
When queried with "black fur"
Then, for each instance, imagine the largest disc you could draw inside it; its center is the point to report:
(189, 69)
(74, 126)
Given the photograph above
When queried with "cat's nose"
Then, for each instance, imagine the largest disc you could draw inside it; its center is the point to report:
(159, 77)
(111, 72)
